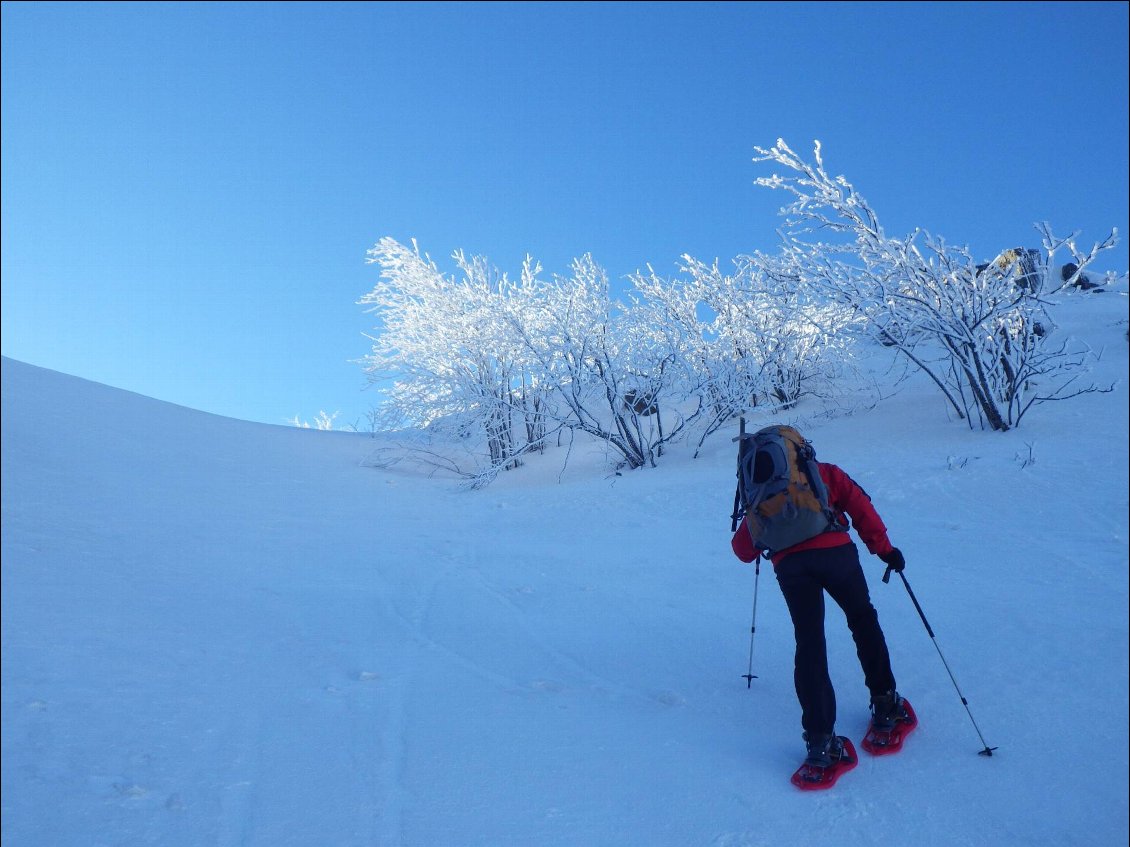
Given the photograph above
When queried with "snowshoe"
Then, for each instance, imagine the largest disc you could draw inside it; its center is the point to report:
(893, 719)
(825, 764)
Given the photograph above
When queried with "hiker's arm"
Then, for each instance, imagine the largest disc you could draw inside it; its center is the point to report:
(848, 496)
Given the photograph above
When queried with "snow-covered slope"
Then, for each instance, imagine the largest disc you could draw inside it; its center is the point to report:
(222, 633)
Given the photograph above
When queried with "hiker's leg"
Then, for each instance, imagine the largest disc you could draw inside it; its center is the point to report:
(805, 599)
(845, 582)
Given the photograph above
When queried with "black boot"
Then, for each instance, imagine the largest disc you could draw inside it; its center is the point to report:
(887, 710)
(824, 750)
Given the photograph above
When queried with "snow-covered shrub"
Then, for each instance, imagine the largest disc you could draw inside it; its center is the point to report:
(979, 332)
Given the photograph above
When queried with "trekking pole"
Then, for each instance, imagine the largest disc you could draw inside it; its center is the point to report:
(737, 515)
(738, 512)
(750, 676)
(988, 751)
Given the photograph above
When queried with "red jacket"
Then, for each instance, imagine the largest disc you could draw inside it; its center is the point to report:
(847, 498)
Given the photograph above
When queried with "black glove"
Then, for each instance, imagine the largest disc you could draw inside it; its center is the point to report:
(893, 560)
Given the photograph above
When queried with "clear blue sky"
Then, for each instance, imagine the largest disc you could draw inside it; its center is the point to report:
(189, 190)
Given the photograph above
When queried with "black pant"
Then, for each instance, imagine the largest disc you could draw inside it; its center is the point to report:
(804, 577)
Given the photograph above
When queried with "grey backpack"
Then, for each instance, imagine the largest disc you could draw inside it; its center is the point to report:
(781, 496)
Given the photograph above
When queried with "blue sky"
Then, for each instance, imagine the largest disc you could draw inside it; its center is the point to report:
(189, 190)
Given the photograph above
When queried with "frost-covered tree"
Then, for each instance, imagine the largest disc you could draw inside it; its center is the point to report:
(610, 368)
(668, 321)
(980, 332)
(443, 340)
(323, 421)
(805, 346)
(746, 339)
(503, 365)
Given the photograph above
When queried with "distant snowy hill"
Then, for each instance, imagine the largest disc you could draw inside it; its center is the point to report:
(225, 633)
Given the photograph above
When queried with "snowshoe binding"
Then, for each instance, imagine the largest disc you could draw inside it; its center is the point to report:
(892, 720)
(829, 757)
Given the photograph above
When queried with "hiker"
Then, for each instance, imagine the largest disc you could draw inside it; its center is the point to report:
(828, 561)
